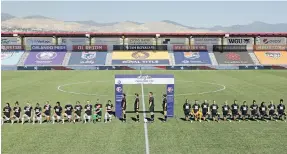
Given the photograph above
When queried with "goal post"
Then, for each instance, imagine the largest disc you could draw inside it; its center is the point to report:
(166, 79)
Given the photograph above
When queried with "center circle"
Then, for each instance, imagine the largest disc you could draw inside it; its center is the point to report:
(221, 88)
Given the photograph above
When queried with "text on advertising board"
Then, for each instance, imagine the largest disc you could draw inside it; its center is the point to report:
(90, 47)
(189, 47)
(271, 47)
(48, 47)
(140, 41)
(11, 47)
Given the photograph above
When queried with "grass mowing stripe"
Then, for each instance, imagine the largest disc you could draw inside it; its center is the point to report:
(145, 125)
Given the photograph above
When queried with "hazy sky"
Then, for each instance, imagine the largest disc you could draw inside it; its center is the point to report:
(197, 14)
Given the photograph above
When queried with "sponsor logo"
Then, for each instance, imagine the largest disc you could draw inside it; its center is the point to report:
(274, 55)
(144, 79)
(46, 55)
(239, 41)
(187, 47)
(169, 89)
(140, 62)
(6, 55)
(119, 81)
(233, 56)
(191, 55)
(140, 55)
(11, 47)
(9, 41)
(119, 89)
(140, 41)
(267, 41)
(35, 41)
(48, 47)
(88, 55)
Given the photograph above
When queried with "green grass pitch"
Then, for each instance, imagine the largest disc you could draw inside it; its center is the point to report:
(174, 137)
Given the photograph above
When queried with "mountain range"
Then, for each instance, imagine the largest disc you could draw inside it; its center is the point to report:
(42, 23)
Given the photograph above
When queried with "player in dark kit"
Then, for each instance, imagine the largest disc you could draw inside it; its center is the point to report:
(254, 110)
(16, 113)
(47, 111)
(234, 110)
(205, 110)
(68, 113)
(214, 111)
(226, 111)
(57, 113)
(77, 111)
(137, 106)
(97, 116)
(124, 107)
(281, 111)
(7, 113)
(263, 111)
(164, 107)
(27, 113)
(244, 111)
(272, 113)
(196, 111)
(37, 114)
(88, 112)
(186, 110)
(151, 106)
(109, 111)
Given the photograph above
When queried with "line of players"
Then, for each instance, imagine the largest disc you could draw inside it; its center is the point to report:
(234, 112)
(70, 113)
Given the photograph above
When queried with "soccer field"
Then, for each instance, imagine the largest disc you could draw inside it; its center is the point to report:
(173, 137)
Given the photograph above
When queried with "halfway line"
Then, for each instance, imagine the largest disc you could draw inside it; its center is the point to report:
(145, 125)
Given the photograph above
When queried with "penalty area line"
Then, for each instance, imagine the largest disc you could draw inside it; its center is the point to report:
(145, 124)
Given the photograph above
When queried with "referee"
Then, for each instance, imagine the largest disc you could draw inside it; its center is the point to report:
(151, 106)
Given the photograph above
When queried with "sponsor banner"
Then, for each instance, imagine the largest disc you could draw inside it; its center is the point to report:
(271, 41)
(69, 42)
(106, 41)
(90, 48)
(140, 55)
(189, 47)
(10, 57)
(140, 41)
(88, 58)
(118, 99)
(192, 58)
(10, 41)
(140, 47)
(233, 58)
(170, 99)
(48, 48)
(272, 57)
(271, 47)
(45, 58)
(11, 47)
(233, 48)
(175, 40)
(145, 79)
(239, 41)
(206, 41)
(140, 62)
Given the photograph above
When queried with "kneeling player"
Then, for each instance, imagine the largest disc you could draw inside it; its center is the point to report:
(226, 111)
(57, 113)
(272, 113)
(68, 113)
(205, 110)
(234, 109)
(7, 113)
(164, 107)
(109, 111)
(196, 112)
(38, 114)
(88, 112)
(17, 113)
(263, 111)
(47, 111)
(244, 111)
(281, 111)
(254, 110)
(186, 110)
(27, 113)
(77, 111)
(214, 112)
(97, 116)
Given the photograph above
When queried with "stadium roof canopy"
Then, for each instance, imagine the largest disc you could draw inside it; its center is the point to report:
(98, 34)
